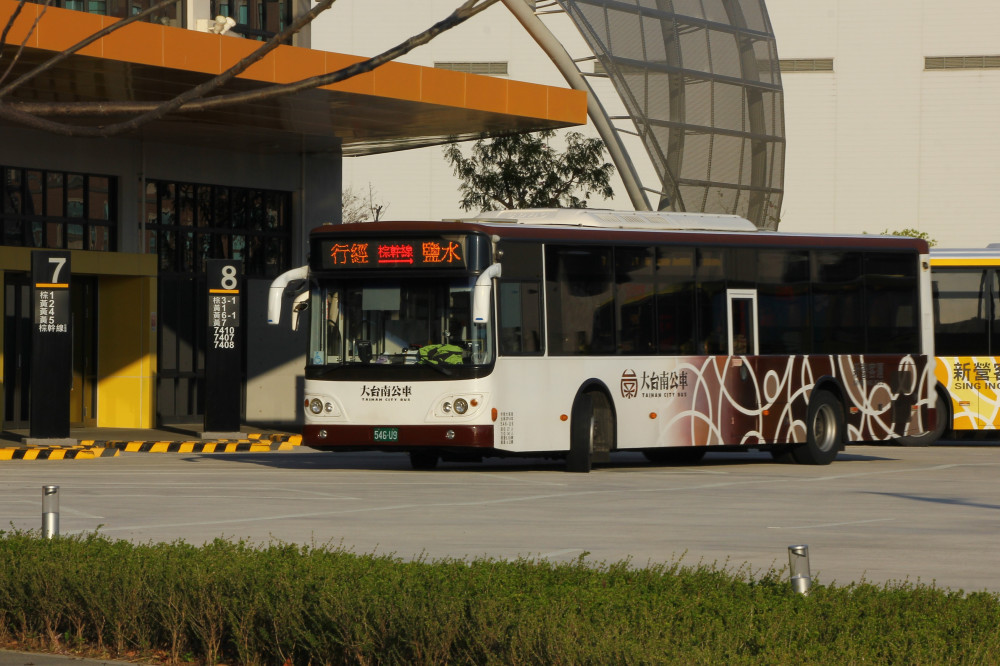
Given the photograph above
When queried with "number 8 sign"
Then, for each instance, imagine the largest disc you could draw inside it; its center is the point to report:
(223, 346)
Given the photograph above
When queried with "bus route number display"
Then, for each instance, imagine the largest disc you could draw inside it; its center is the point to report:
(389, 253)
(225, 318)
(52, 304)
(224, 306)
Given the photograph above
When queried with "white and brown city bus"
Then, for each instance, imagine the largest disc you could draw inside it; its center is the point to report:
(965, 286)
(579, 332)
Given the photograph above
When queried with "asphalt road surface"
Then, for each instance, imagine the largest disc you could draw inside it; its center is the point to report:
(878, 513)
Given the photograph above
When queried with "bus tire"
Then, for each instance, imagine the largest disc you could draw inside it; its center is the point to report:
(943, 419)
(824, 431)
(423, 459)
(591, 431)
(675, 455)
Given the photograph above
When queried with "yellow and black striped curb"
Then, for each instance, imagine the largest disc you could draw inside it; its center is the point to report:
(83, 452)
(254, 443)
(90, 449)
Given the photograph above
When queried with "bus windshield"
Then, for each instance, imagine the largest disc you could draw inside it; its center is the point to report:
(397, 322)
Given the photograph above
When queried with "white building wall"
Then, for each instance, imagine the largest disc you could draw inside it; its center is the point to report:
(879, 143)
(882, 143)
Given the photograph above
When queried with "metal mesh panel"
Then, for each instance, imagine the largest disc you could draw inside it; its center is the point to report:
(700, 80)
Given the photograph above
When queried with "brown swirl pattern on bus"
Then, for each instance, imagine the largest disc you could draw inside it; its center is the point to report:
(764, 400)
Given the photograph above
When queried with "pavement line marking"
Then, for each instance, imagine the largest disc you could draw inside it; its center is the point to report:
(533, 482)
(820, 525)
(399, 507)
(564, 551)
(934, 468)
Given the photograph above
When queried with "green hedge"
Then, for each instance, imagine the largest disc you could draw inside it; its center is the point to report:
(237, 603)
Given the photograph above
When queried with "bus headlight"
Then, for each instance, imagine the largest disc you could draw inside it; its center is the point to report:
(460, 405)
(316, 406)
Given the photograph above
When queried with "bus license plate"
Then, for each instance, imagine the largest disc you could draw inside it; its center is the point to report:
(386, 434)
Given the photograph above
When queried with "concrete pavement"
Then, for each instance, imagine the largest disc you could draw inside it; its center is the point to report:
(877, 514)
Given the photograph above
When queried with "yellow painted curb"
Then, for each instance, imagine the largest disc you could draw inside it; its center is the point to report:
(87, 452)
(89, 449)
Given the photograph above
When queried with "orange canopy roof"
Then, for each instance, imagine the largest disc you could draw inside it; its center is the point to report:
(394, 107)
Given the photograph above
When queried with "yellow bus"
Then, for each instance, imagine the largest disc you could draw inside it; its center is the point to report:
(966, 306)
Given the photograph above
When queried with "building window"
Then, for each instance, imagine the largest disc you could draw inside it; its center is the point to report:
(169, 15)
(806, 65)
(59, 210)
(963, 62)
(255, 19)
(487, 68)
(188, 223)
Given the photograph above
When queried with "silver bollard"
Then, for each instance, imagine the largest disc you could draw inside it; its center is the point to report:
(798, 564)
(50, 511)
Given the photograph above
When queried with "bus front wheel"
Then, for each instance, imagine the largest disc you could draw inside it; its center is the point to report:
(592, 427)
(423, 459)
(824, 431)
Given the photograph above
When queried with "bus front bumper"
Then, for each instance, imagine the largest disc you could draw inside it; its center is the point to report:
(397, 438)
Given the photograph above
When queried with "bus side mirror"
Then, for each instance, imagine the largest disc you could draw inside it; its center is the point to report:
(481, 295)
(278, 289)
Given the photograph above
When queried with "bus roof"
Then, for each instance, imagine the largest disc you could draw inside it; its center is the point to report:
(981, 256)
(599, 225)
(615, 219)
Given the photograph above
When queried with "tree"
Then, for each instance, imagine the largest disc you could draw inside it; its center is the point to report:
(525, 171)
(125, 116)
(912, 233)
(361, 208)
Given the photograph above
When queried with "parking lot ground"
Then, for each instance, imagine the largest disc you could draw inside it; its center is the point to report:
(878, 513)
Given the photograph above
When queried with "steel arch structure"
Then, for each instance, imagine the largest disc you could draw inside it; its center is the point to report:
(701, 84)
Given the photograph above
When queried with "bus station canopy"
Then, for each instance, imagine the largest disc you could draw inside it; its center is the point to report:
(397, 106)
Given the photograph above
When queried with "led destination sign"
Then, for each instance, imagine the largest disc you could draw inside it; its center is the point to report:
(389, 253)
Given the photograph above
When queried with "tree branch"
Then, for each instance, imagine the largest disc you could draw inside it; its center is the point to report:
(10, 24)
(55, 60)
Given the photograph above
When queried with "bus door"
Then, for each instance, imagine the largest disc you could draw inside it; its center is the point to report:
(742, 325)
(967, 343)
(741, 329)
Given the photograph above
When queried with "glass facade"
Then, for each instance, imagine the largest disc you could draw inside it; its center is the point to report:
(255, 19)
(169, 15)
(701, 82)
(186, 224)
(59, 210)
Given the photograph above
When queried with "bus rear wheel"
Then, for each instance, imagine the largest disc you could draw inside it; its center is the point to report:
(592, 431)
(824, 431)
(928, 438)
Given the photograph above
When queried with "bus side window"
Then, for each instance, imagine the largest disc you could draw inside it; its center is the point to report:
(890, 302)
(581, 302)
(994, 279)
(520, 318)
(961, 318)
